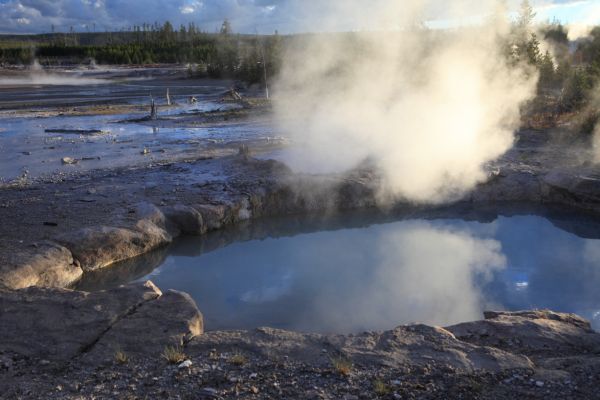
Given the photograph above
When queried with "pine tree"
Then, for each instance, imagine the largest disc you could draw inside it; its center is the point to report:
(226, 28)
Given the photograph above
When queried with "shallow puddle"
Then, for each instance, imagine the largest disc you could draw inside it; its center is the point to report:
(35, 146)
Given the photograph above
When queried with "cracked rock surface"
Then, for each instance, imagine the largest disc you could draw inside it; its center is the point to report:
(533, 354)
(61, 324)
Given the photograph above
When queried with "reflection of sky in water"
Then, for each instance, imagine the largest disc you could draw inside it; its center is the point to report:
(438, 272)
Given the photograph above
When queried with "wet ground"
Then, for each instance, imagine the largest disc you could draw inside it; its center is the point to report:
(36, 87)
(57, 124)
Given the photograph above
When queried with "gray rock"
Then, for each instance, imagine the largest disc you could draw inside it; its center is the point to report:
(68, 160)
(509, 186)
(42, 264)
(171, 320)
(150, 212)
(405, 345)
(98, 247)
(214, 216)
(533, 333)
(59, 324)
(572, 187)
(187, 219)
(566, 318)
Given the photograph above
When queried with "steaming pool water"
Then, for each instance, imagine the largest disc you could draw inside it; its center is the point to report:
(351, 275)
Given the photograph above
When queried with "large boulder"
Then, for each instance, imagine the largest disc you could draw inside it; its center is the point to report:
(59, 324)
(171, 320)
(185, 219)
(100, 246)
(533, 333)
(40, 264)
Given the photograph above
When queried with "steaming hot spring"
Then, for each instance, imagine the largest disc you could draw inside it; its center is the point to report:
(352, 273)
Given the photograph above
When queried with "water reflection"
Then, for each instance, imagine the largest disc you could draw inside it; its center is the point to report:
(125, 271)
(352, 274)
(411, 271)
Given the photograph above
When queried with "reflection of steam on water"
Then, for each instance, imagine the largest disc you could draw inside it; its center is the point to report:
(269, 293)
(37, 75)
(430, 108)
(424, 273)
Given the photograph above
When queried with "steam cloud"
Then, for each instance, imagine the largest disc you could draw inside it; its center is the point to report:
(36, 75)
(428, 108)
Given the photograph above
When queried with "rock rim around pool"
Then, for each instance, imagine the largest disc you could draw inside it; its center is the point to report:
(125, 332)
(251, 189)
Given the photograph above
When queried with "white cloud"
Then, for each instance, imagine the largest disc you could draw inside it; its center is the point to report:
(187, 9)
(191, 7)
(551, 5)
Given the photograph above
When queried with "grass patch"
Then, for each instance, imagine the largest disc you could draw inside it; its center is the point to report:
(238, 359)
(341, 365)
(380, 388)
(121, 357)
(174, 354)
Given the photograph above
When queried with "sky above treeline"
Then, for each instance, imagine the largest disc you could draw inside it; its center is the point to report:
(250, 16)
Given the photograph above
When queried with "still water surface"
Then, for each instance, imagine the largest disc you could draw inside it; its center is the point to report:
(355, 276)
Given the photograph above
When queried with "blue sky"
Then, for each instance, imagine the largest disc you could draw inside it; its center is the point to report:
(570, 11)
(265, 16)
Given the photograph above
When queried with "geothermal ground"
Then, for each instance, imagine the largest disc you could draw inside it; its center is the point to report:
(89, 181)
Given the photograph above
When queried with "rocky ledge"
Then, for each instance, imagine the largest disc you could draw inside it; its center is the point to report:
(136, 342)
(110, 231)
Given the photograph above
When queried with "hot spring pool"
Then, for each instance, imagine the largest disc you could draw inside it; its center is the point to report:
(350, 275)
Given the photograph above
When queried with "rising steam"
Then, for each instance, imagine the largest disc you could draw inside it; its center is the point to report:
(37, 75)
(428, 107)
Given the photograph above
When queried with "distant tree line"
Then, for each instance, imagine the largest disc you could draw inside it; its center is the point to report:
(216, 55)
(568, 72)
